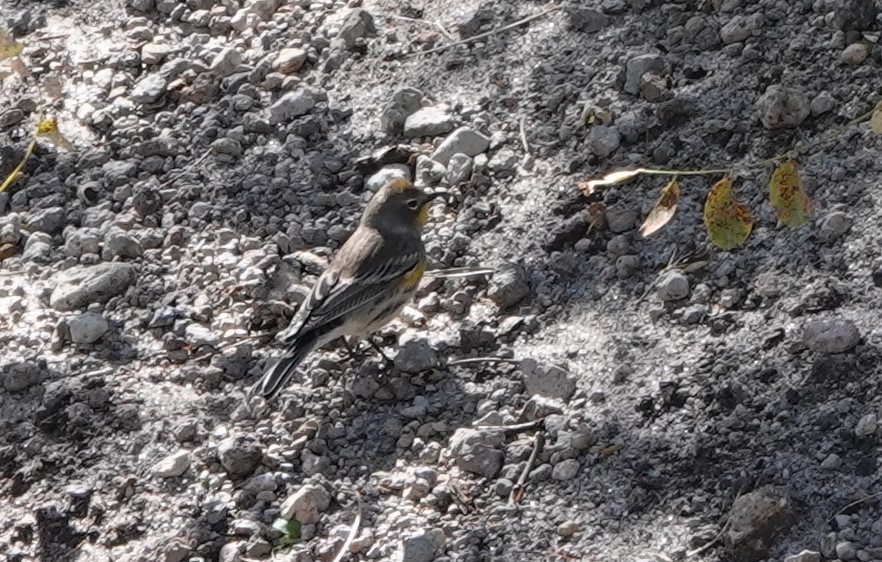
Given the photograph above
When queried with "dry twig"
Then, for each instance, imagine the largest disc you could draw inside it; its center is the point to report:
(517, 492)
(480, 36)
(353, 531)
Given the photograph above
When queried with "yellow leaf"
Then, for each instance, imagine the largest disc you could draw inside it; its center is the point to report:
(791, 203)
(8, 45)
(876, 121)
(664, 209)
(728, 223)
(49, 128)
(610, 179)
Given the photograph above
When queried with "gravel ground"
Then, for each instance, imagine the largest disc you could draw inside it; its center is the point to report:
(645, 397)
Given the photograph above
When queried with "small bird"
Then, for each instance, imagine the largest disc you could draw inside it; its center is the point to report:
(374, 274)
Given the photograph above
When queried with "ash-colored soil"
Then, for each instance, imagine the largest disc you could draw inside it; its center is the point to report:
(217, 176)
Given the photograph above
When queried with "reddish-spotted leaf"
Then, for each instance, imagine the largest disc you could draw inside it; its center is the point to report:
(664, 209)
(728, 223)
(791, 203)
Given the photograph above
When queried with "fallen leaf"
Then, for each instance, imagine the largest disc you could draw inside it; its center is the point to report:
(664, 209)
(49, 128)
(876, 121)
(9, 47)
(609, 179)
(791, 203)
(728, 223)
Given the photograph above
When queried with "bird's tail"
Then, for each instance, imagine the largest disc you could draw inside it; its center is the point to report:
(279, 374)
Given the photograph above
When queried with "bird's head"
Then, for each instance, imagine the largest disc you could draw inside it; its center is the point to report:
(398, 204)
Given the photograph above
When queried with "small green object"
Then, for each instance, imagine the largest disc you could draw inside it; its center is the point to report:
(290, 530)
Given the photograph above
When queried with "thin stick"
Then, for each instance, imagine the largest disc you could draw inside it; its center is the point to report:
(505, 360)
(471, 360)
(431, 23)
(708, 544)
(181, 173)
(454, 272)
(516, 428)
(524, 136)
(353, 531)
(856, 502)
(517, 492)
(488, 33)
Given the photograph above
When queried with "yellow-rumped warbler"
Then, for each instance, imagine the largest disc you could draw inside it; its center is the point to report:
(374, 274)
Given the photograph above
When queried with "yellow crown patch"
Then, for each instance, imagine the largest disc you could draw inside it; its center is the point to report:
(399, 185)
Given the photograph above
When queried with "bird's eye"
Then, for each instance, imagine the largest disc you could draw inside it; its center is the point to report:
(414, 204)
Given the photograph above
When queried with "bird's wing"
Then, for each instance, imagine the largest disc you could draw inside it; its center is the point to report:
(354, 279)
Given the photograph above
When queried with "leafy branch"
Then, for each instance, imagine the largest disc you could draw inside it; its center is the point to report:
(10, 50)
(729, 223)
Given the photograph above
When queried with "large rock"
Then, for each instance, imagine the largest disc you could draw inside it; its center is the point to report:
(429, 122)
(547, 380)
(358, 24)
(637, 67)
(508, 285)
(830, 336)
(306, 504)
(239, 455)
(291, 105)
(80, 286)
(756, 519)
(289, 60)
(461, 141)
(478, 450)
(422, 546)
(87, 327)
(173, 465)
(414, 354)
(782, 107)
(403, 104)
(149, 89)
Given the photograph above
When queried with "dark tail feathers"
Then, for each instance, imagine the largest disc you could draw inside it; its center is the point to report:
(279, 374)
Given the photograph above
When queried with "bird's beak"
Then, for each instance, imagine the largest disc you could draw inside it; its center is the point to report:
(436, 195)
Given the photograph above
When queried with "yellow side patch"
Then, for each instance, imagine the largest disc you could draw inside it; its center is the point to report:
(413, 276)
(424, 214)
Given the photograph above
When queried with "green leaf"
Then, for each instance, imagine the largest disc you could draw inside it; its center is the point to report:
(290, 530)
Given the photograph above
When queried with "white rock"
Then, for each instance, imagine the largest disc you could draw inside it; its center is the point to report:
(291, 105)
(429, 122)
(173, 465)
(463, 140)
(289, 60)
(459, 169)
(87, 327)
(306, 504)
(226, 61)
(673, 286)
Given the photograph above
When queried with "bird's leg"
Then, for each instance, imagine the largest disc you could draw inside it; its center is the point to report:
(389, 362)
(351, 352)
